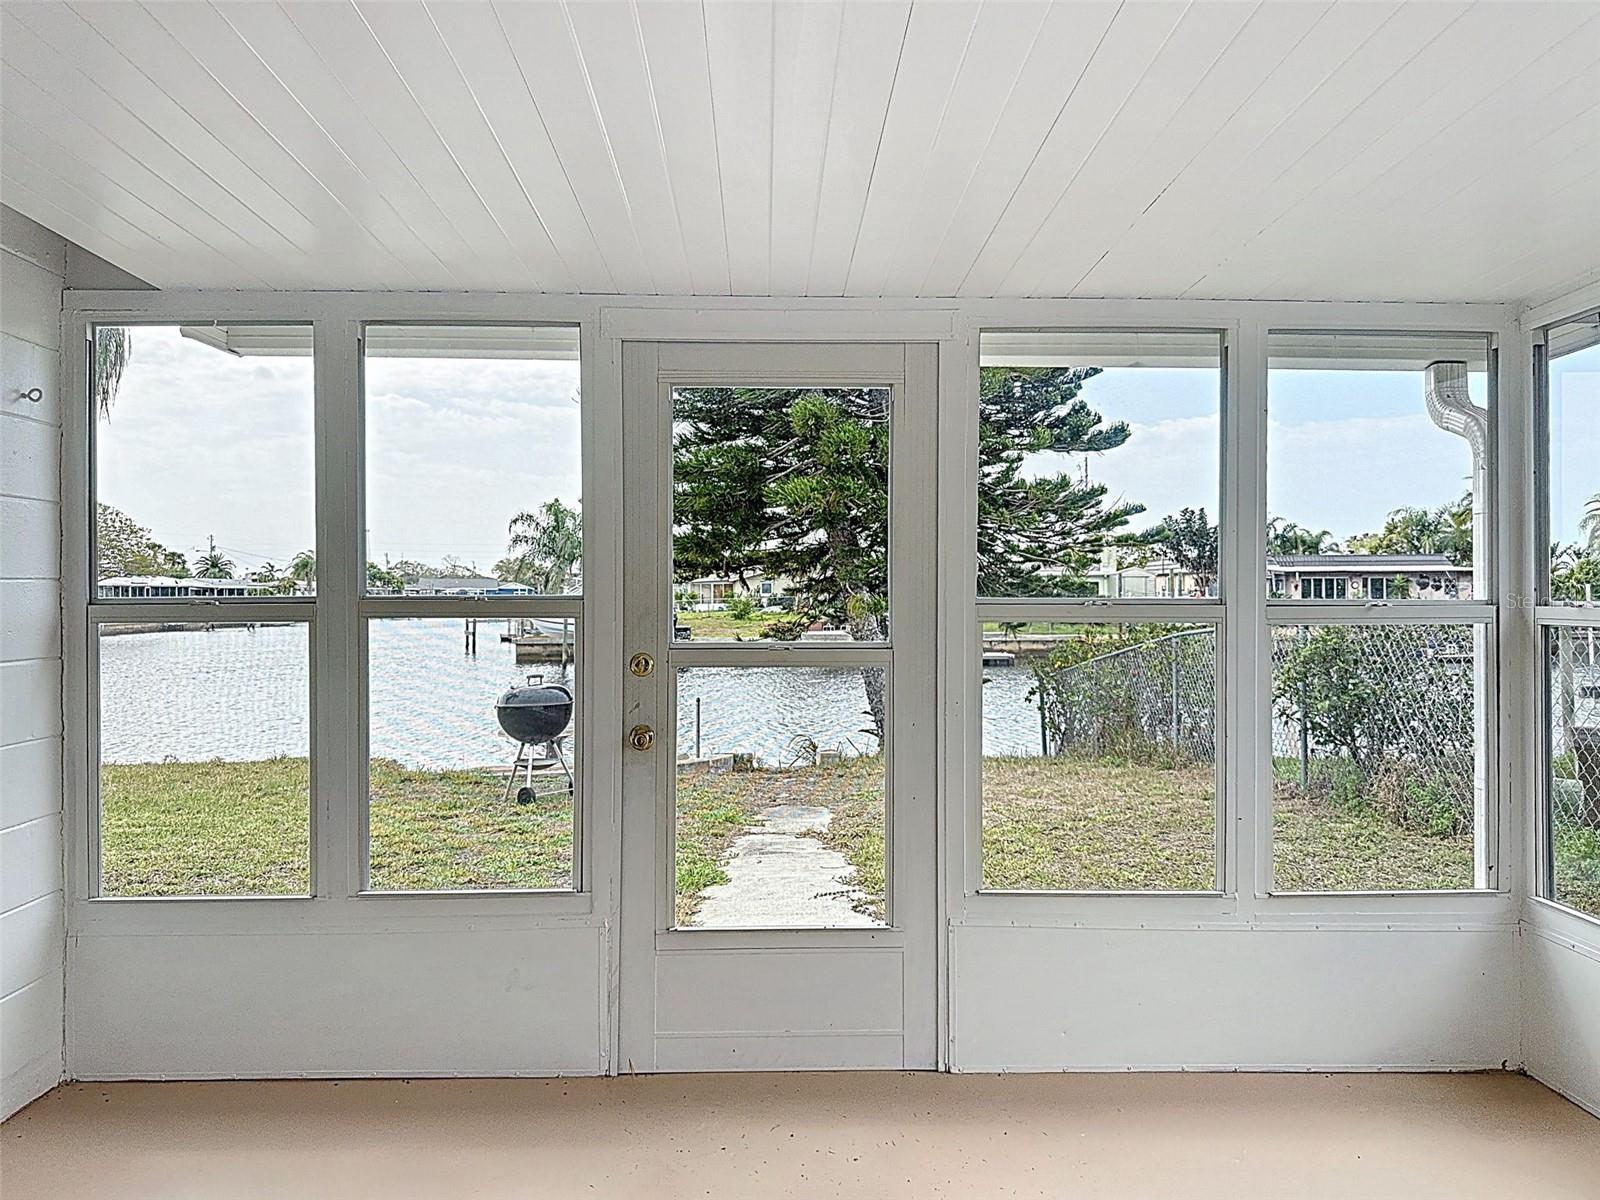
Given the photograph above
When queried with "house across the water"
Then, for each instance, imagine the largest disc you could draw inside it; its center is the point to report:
(141, 587)
(1367, 577)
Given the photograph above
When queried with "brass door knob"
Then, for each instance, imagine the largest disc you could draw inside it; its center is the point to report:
(641, 737)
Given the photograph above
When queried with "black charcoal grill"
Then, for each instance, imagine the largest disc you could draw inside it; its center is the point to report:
(535, 715)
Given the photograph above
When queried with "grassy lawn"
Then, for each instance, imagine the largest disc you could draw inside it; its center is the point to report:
(724, 626)
(1578, 868)
(206, 828)
(241, 828)
(1319, 846)
(1057, 823)
(435, 830)
(220, 828)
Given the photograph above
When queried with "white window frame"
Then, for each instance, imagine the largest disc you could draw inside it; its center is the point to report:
(605, 323)
(1490, 879)
(336, 616)
(1548, 614)
(1210, 611)
(371, 606)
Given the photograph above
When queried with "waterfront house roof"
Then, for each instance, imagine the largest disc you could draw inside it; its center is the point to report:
(1365, 563)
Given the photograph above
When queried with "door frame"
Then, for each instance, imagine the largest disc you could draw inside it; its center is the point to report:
(894, 970)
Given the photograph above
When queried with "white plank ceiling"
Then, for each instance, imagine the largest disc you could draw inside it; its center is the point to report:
(1315, 150)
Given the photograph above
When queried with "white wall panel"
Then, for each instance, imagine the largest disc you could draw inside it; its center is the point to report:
(30, 781)
(31, 935)
(30, 619)
(25, 365)
(789, 992)
(30, 1042)
(1561, 1015)
(469, 1002)
(30, 301)
(32, 930)
(30, 544)
(30, 458)
(30, 700)
(1057, 999)
(30, 861)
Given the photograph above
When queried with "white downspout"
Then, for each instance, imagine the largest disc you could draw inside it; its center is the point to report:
(1451, 409)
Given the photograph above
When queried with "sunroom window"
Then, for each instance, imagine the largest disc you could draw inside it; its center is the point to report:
(1099, 610)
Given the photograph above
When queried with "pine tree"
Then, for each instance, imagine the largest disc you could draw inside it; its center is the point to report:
(1039, 533)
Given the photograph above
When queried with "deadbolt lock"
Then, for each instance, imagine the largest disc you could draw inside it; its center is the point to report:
(641, 737)
(642, 665)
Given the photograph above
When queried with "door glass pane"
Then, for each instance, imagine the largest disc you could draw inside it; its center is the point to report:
(1573, 663)
(203, 461)
(472, 739)
(205, 742)
(780, 797)
(473, 463)
(1099, 757)
(1099, 463)
(1377, 467)
(780, 514)
(1378, 756)
(1574, 378)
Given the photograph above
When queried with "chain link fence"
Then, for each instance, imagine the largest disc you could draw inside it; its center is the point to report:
(1154, 700)
(1380, 716)
(1573, 666)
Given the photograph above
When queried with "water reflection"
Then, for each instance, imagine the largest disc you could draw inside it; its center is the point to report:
(163, 694)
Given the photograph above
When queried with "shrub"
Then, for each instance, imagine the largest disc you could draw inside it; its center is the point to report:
(741, 608)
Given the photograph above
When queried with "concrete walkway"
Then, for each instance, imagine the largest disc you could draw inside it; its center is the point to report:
(779, 875)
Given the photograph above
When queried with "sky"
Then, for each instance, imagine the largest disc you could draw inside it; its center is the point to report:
(204, 443)
(201, 443)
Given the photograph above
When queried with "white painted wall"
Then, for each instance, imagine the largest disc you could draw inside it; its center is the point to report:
(1560, 965)
(505, 1000)
(1312, 998)
(32, 936)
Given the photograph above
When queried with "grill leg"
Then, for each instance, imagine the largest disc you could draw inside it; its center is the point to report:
(511, 775)
(572, 784)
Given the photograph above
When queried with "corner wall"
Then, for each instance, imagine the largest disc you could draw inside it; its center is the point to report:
(32, 933)
(1561, 1006)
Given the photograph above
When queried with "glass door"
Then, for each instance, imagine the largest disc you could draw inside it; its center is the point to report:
(778, 881)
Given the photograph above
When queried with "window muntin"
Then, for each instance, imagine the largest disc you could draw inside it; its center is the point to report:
(1572, 777)
(1379, 755)
(780, 764)
(473, 464)
(1100, 757)
(456, 801)
(780, 514)
(1099, 464)
(203, 461)
(1378, 462)
(1572, 384)
(204, 771)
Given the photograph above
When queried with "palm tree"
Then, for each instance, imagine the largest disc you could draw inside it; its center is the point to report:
(545, 545)
(112, 350)
(1590, 525)
(213, 564)
(1285, 537)
(303, 567)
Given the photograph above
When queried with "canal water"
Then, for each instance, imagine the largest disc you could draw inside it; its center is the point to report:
(243, 694)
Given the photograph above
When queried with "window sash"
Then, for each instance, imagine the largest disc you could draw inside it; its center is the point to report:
(1067, 611)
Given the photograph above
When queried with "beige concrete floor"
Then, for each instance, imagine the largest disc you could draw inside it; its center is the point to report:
(1172, 1137)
